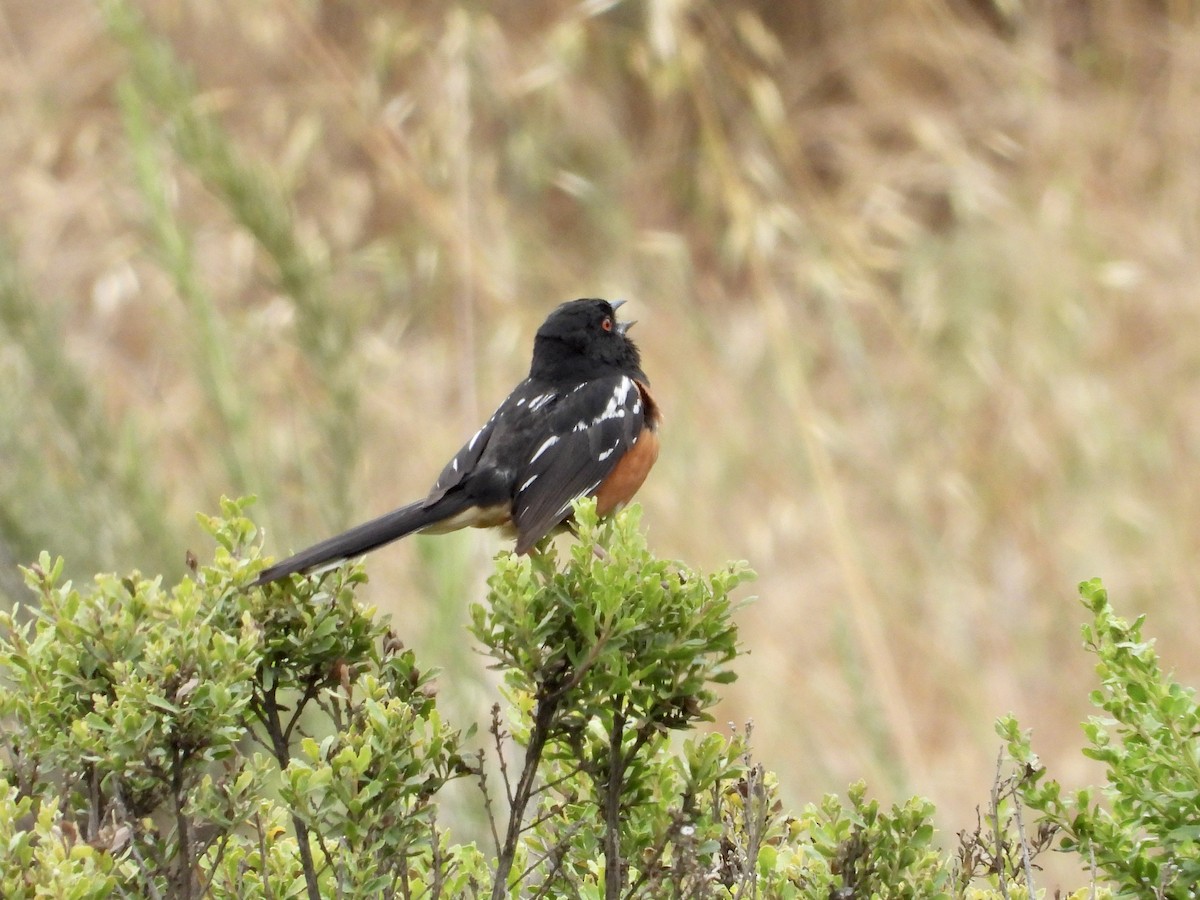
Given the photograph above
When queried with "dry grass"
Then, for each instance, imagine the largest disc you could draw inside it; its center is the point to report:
(915, 282)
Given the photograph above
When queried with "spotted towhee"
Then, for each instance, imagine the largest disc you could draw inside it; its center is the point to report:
(582, 424)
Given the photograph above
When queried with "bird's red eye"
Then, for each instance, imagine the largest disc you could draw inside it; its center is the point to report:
(606, 323)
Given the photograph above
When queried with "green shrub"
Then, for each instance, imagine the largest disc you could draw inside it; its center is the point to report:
(213, 739)
(1142, 828)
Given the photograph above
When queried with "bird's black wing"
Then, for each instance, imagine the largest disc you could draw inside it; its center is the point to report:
(516, 417)
(592, 426)
(463, 462)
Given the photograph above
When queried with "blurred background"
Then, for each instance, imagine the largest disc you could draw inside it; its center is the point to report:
(915, 281)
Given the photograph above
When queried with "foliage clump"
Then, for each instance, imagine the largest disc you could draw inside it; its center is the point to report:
(218, 740)
(1141, 830)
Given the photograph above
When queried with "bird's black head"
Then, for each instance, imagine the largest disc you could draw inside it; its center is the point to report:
(582, 339)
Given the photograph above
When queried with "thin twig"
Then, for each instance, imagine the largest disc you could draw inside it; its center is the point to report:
(272, 722)
(223, 843)
(498, 733)
(585, 665)
(656, 856)
(997, 832)
(549, 814)
(435, 887)
(262, 856)
(539, 734)
(148, 884)
(310, 691)
(612, 802)
(551, 785)
(558, 852)
(93, 779)
(182, 830)
(487, 803)
(644, 734)
(754, 818)
(405, 884)
(257, 739)
(331, 859)
(1026, 853)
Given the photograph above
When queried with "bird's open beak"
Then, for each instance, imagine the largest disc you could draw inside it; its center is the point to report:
(624, 326)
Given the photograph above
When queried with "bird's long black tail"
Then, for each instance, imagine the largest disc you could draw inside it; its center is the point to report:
(366, 537)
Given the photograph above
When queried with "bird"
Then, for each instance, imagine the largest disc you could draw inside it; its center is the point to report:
(582, 424)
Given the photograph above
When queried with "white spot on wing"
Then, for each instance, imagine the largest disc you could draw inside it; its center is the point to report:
(615, 409)
(616, 403)
(475, 438)
(546, 445)
(539, 401)
(531, 480)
